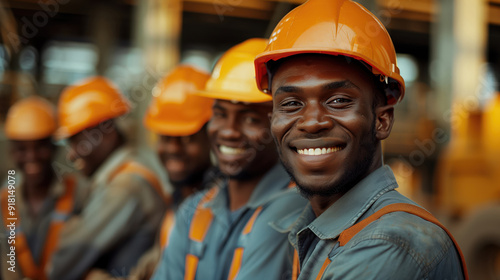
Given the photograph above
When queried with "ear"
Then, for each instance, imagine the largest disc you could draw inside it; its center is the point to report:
(384, 121)
(270, 115)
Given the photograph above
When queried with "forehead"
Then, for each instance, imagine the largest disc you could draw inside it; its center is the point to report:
(240, 107)
(310, 69)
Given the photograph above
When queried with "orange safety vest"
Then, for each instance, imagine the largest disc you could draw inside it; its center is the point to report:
(166, 228)
(200, 225)
(133, 167)
(349, 233)
(63, 208)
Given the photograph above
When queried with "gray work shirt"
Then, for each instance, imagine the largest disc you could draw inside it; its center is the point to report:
(118, 223)
(396, 246)
(266, 251)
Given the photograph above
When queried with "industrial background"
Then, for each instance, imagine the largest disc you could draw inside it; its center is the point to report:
(444, 146)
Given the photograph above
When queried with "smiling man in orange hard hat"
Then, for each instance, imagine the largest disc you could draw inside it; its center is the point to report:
(35, 204)
(331, 69)
(179, 119)
(126, 202)
(223, 232)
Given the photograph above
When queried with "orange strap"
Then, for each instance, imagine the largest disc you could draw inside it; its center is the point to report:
(133, 167)
(64, 205)
(166, 227)
(349, 233)
(238, 253)
(296, 265)
(200, 224)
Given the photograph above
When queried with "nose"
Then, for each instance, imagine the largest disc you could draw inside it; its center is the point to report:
(314, 119)
(30, 154)
(230, 129)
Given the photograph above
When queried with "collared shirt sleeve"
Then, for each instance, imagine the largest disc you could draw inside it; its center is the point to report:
(113, 213)
(172, 264)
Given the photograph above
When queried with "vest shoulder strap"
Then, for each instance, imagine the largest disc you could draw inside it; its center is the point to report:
(133, 167)
(166, 228)
(200, 224)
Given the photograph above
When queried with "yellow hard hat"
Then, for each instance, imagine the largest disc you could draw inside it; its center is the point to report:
(334, 27)
(233, 77)
(174, 110)
(87, 104)
(32, 118)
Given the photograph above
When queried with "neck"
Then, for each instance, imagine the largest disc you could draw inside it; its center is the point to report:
(241, 191)
(183, 191)
(35, 194)
(39, 189)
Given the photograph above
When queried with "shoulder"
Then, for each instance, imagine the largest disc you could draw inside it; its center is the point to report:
(286, 201)
(282, 211)
(189, 205)
(133, 174)
(423, 241)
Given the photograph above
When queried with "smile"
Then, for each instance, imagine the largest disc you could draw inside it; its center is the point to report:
(225, 150)
(319, 151)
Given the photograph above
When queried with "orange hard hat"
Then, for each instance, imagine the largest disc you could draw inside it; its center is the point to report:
(334, 27)
(174, 110)
(88, 103)
(233, 77)
(32, 118)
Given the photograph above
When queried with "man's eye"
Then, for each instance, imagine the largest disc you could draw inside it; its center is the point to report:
(290, 104)
(251, 120)
(218, 114)
(340, 100)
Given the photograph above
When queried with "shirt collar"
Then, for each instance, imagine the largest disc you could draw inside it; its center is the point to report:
(348, 209)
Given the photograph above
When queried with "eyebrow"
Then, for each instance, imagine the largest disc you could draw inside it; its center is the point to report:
(330, 86)
(340, 84)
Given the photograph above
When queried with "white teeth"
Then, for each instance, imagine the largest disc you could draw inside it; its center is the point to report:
(230, 151)
(318, 151)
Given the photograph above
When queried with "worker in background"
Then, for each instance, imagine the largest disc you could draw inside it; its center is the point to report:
(40, 202)
(223, 232)
(331, 68)
(126, 202)
(179, 119)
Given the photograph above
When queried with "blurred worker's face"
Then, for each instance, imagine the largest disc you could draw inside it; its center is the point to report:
(90, 147)
(34, 159)
(326, 124)
(241, 139)
(185, 158)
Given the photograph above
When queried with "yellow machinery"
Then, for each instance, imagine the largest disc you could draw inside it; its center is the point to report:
(468, 187)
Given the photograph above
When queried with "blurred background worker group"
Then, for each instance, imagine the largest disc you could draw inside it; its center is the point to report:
(100, 122)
